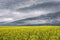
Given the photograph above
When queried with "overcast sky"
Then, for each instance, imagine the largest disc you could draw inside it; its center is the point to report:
(13, 10)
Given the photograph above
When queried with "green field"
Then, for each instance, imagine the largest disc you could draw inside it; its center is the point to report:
(29, 32)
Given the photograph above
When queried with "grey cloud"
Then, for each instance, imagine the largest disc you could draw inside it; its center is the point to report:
(12, 4)
(49, 19)
(15, 10)
(51, 6)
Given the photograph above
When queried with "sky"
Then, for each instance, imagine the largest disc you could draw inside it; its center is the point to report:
(14, 10)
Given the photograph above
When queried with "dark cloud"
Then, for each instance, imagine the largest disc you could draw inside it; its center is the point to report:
(55, 6)
(49, 19)
(33, 11)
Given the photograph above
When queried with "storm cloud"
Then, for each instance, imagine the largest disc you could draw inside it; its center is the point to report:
(14, 10)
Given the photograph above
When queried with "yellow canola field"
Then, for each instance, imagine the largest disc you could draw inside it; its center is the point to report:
(29, 32)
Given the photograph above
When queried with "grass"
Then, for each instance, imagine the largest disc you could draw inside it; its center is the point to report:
(29, 32)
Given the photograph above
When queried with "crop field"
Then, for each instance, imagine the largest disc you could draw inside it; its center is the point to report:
(29, 32)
